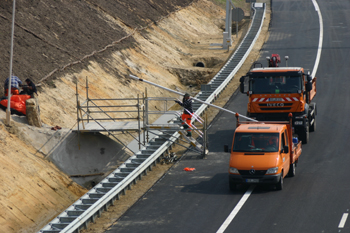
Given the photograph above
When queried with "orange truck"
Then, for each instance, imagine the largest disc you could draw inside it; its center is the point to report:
(274, 92)
(263, 153)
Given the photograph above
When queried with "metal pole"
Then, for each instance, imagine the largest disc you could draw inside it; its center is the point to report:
(147, 114)
(78, 106)
(8, 110)
(87, 98)
(237, 23)
(205, 137)
(143, 119)
(139, 119)
(250, 9)
(179, 93)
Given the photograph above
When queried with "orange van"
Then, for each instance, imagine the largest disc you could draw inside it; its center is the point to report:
(263, 153)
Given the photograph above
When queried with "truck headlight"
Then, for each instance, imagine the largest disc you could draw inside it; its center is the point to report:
(272, 170)
(234, 170)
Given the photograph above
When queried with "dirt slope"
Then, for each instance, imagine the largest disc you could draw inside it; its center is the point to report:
(59, 44)
(32, 189)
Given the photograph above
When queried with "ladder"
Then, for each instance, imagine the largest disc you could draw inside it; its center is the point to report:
(193, 142)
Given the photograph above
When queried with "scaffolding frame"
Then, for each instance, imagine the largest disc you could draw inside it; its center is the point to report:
(99, 115)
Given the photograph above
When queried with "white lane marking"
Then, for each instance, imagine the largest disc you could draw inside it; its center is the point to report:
(201, 177)
(343, 220)
(320, 42)
(236, 209)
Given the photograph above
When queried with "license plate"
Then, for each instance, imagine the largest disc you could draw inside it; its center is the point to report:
(298, 123)
(252, 180)
(275, 99)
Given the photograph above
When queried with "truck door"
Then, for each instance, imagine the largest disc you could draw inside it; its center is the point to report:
(284, 155)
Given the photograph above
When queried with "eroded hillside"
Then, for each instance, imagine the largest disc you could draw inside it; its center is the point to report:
(59, 44)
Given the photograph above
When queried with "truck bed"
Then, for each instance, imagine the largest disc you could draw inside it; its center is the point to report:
(296, 152)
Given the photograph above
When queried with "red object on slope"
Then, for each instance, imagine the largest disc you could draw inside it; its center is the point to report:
(18, 103)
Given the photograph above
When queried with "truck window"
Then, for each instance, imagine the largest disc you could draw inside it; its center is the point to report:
(275, 84)
(283, 140)
(286, 138)
(256, 142)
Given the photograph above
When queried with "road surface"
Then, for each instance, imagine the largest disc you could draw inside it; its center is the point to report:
(317, 198)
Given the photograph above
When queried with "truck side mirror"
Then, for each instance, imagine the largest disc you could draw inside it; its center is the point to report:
(286, 149)
(226, 149)
(241, 86)
(308, 83)
(308, 86)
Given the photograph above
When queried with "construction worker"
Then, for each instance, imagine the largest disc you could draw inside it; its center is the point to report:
(187, 114)
(15, 84)
(30, 89)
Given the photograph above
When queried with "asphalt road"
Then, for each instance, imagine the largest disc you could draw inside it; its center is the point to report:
(316, 199)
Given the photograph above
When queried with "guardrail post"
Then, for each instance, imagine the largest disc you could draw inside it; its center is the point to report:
(205, 137)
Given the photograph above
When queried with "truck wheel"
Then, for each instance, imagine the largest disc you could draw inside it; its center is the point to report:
(279, 185)
(233, 186)
(292, 169)
(304, 137)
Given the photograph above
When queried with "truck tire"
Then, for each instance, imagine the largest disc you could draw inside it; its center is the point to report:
(279, 185)
(233, 186)
(292, 169)
(304, 136)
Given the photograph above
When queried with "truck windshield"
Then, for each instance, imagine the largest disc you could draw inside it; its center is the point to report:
(275, 84)
(256, 142)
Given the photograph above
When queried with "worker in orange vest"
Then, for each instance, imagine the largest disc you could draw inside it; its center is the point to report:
(187, 114)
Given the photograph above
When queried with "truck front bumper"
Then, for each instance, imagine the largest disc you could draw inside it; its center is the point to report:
(266, 179)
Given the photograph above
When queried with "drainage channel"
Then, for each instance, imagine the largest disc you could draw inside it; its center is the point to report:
(91, 205)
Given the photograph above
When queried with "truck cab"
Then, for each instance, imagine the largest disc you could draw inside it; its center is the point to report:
(263, 153)
(274, 92)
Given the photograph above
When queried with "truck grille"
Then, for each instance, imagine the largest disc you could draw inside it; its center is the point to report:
(276, 108)
(266, 107)
(247, 173)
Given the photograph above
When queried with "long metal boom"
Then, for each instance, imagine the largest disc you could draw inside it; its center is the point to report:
(201, 101)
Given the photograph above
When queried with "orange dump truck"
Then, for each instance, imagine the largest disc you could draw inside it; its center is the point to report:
(274, 92)
(263, 153)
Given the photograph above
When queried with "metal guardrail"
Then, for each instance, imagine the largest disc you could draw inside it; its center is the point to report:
(98, 199)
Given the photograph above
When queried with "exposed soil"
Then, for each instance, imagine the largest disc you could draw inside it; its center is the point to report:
(60, 44)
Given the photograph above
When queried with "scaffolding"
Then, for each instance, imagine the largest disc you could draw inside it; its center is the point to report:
(128, 115)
